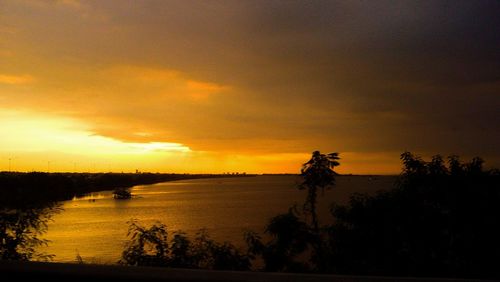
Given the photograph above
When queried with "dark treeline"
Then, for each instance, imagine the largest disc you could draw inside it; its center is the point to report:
(442, 219)
(21, 189)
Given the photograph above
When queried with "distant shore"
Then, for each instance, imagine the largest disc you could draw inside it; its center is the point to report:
(19, 189)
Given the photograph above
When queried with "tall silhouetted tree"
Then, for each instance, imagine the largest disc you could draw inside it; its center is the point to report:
(295, 244)
(318, 174)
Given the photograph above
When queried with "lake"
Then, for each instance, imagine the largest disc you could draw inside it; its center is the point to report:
(95, 226)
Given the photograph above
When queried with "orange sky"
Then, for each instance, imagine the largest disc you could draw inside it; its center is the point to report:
(247, 86)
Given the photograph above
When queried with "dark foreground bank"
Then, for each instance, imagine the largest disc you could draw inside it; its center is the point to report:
(39, 271)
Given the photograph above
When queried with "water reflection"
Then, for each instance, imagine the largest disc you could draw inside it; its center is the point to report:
(91, 196)
(97, 230)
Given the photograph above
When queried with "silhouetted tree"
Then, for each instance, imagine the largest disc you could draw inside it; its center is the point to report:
(318, 174)
(147, 246)
(439, 221)
(292, 237)
(20, 229)
(150, 247)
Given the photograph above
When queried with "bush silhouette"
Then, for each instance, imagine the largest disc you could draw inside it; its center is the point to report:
(439, 221)
(290, 238)
(150, 247)
(20, 229)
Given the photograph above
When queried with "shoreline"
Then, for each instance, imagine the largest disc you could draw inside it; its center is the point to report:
(20, 189)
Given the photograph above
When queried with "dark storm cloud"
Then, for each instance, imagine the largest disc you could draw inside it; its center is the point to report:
(436, 63)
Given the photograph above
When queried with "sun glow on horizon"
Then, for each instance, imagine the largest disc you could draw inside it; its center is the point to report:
(29, 133)
(47, 142)
(160, 147)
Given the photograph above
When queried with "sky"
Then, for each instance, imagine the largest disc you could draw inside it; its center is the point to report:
(246, 86)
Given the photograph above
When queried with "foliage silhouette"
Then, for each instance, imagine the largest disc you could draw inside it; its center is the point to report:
(439, 221)
(290, 238)
(318, 174)
(295, 245)
(20, 229)
(150, 247)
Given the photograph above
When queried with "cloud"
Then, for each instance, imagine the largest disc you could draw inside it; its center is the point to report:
(6, 53)
(202, 90)
(160, 81)
(7, 30)
(76, 4)
(16, 79)
(126, 102)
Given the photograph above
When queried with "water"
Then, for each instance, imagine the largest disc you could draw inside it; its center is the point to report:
(95, 227)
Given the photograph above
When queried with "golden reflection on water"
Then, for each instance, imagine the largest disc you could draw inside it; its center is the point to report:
(95, 226)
